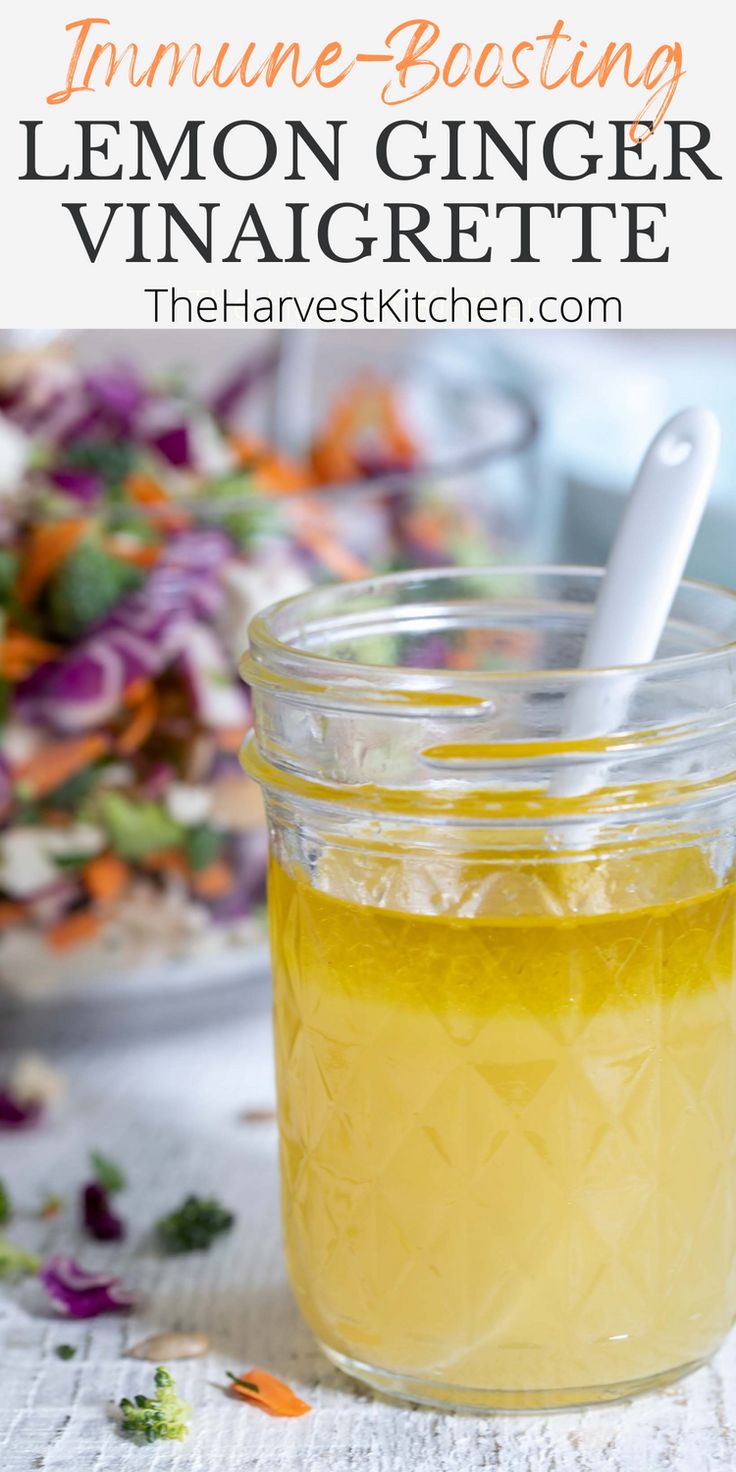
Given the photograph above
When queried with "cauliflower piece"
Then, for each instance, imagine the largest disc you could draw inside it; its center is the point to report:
(19, 742)
(249, 588)
(15, 450)
(27, 855)
(26, 865)
(188, 804)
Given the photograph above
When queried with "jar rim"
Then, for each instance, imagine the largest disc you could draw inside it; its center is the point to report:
(274, 653)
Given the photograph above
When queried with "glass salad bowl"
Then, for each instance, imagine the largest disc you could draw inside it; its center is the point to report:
(141, 527)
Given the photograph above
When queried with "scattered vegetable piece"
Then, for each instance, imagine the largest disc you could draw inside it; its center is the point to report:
(84, 1295)
(8, 573)
(15, 1261)
(214, 880)
(100, 1220)
(12, 912)
(194, 1225)
(175, 1346)
(34, 1080)
(50, 543)
(106, 877)
(5, 1207)
(163, 1417)
(109, 459)
(85, 587)
(21, 653)
(138, 730)
(73, 930)
(340, 561)
(203, 846)
(263, 1115)
(66, 1351)
(166, 861)
(145, 491)
(50, 1207)
(69, 797)
(57, 762)
(107, 1172)
(18, 1114)
(143, 555)
(266, 1391)
(231, 738)
(137, 829)
(173, 444)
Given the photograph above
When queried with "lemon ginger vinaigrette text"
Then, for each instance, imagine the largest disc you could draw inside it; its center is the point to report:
(505, 1021)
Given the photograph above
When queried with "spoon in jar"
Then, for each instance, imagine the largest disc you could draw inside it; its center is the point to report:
(654, 540)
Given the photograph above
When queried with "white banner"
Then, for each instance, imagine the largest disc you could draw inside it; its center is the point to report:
(166, 164)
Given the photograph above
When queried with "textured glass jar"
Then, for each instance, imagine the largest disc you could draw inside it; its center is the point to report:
(504, 983)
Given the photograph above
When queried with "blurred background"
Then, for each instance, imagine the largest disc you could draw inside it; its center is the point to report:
(156, 489)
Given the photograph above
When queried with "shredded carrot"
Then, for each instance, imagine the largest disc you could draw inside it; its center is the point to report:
(11, 913)
(137, 690)
(274, 473)
(397, 433)
(141, 726)
(214, 881)
(428, 527)
(282, 477)
(230, 738)
(74, 930)
(57, 818)
(332, 453)
(50, 1208)
(369, 410)
(144, 490)
(57, 761)
(247, 448)
(20, 653)
(49, 545)
(166, 861)
(338, 559)
(143, 555)
(106, 876)
(272, 1395)
(333, 461)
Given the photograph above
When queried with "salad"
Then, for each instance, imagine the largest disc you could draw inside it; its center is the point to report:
(140, 529)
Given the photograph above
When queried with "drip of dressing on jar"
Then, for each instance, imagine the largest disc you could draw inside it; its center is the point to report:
(654, 540)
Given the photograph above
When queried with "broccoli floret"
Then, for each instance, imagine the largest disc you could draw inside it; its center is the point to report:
(203, 846)
(244, 514)
(107, 1173)
(163, 1417)
(87, 585)
(5, 1211)
(8, 570)
(194, 1225)
(14, 1260)
(112, 459)
(71, 794)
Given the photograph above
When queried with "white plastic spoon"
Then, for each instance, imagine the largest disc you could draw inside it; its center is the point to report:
(652, 545)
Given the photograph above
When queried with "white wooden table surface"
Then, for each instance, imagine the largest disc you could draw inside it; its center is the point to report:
(167, 1106)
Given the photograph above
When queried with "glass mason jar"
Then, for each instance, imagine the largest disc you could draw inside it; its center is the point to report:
(504, 983)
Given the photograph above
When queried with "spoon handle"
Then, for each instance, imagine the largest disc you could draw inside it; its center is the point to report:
(654, 540)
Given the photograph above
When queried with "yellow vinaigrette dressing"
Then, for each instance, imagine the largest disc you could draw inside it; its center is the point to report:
(504, 968)
(508, 1141)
